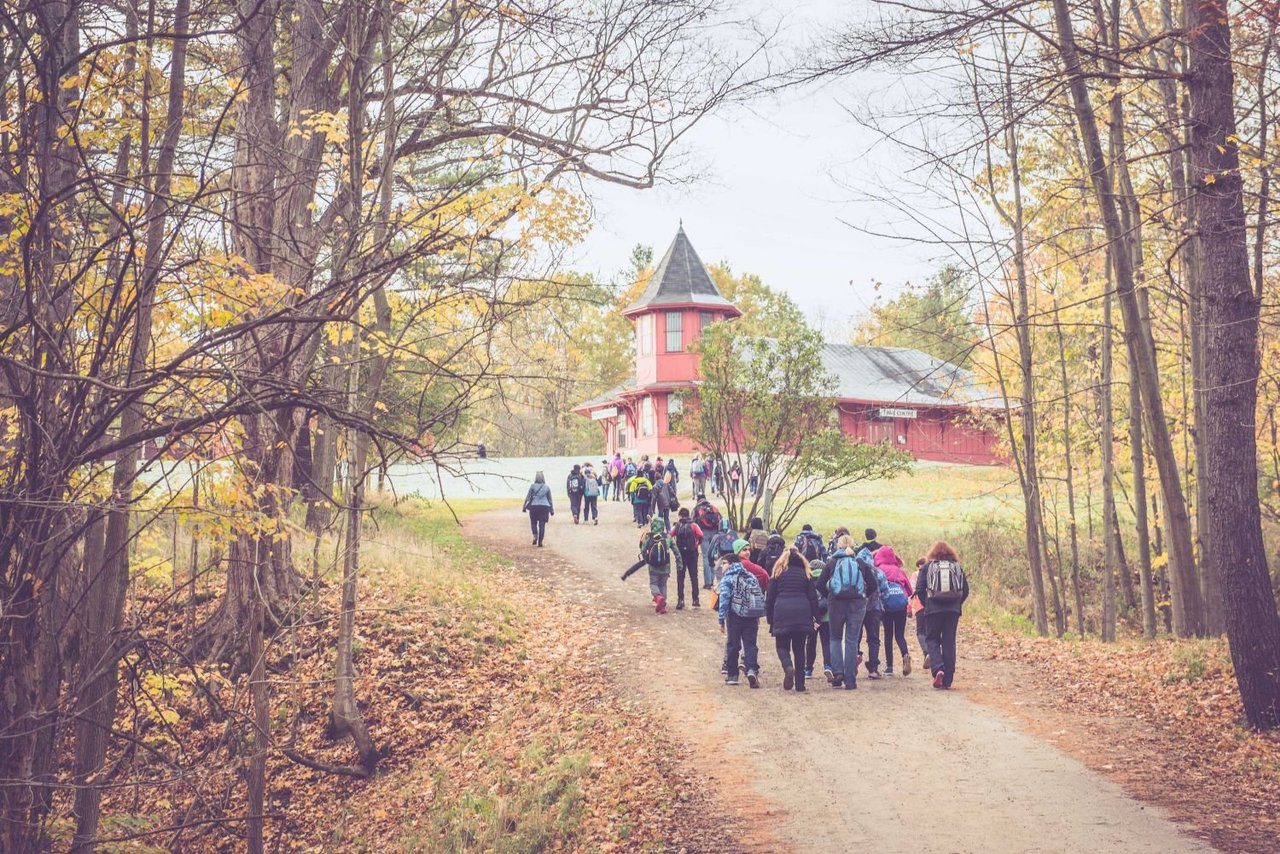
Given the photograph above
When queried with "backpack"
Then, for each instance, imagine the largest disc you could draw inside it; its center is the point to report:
(808, 546)
(945, 581)
(630, 470)
(707, 517)
(846, 580)
(644, 492)
(575, 484)
(896, 599)
(686, 539)
(697, 469)
(592, 489)
(758, 539)
(747, 599)
(772, 551)
(658, 556)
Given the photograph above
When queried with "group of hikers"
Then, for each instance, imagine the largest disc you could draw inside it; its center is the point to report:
(813, 594)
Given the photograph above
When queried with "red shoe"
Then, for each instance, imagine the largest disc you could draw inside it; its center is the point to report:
(660, 604)
(937, 679)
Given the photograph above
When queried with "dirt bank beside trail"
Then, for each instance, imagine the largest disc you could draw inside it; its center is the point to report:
(833, 770)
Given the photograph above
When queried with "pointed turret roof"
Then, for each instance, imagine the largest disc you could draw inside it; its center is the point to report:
(681, 279)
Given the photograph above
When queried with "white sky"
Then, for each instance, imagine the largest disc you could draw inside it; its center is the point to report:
(773, 196)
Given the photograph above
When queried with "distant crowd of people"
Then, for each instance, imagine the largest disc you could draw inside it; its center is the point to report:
(815, 595)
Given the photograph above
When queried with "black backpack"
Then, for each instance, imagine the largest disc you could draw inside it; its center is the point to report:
(657, 555)
(808, 546)
(686, 539)
(575, 484)
(644, 493)
(772, 551)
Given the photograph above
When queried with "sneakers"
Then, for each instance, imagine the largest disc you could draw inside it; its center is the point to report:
(660, 603)
(575, 520)
(680, 605)
(753, 679)
(724, 671)
(937, 679)
(697, 604)
(851, 686)
(535, 541)
(706, 587)
(928, 665)
(906, 665)
(873, 674)
(836, 679)
(595, 521)
(888, 671)
(788, 678)
(808, 673)
(731, 680)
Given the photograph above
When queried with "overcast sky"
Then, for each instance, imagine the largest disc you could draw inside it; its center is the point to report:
(774, 198)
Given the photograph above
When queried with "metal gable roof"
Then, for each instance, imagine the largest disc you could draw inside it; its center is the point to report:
(901, 375)
(681, 277)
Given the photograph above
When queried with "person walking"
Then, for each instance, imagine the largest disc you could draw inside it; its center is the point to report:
(820, 637)
(741, 604)
(791, 606)
(897, 594)
(673, 471)
(688, 538)
(538, 504)
(590, 497)
(698, 474)
(735, 478)
(606, 480)
(757, 537)
(843, 584)
(875, 586)
(707, 518)
(620, 476)
(574, 485)
(664, 495)
(916, 609)
(943, 588)
(657, 552)
(640, 489)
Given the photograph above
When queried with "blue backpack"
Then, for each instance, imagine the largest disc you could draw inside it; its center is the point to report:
(846, 579)
(896, 599)
(747, 599)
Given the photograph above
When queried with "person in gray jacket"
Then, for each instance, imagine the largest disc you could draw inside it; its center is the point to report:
(537, 503)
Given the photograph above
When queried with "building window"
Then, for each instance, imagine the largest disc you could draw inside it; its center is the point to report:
(644, 335)
(675, 331)
(647, 426)
(674, 405)
(705, 319)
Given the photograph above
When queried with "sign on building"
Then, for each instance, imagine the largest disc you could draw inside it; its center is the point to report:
(602, 414)
(895, 412)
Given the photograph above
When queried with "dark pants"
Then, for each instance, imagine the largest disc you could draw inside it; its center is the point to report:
(640, 513)
(665, 515)
(538, 522)
(846, 625)
(942, 644)
(741, 635)
(708, 565)
(922, 630)
(872, 626)
(820, 638)
(575, 505)
(790, 645)
(590, 509)
(895, 629)
(690, 559)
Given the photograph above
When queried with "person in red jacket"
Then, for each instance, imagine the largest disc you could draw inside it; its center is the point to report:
(688, 539)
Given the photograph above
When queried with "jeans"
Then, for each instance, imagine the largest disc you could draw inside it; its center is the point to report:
(699, 485)
(665, 515)
(895, 628)
(741, 634)
(658, 582)
(872, 625)
(590, 510)
(790, 645)
(846, 624)
(690, 560)
(538, 522)
(922, 629)
(708, 564)
(604, 490)
(820, 638)
(575, 506)
(638, 510)
(942, 644)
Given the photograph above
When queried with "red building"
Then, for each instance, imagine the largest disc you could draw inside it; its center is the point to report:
(884, 394)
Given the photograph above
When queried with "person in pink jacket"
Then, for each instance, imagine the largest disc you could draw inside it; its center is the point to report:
(895, 608)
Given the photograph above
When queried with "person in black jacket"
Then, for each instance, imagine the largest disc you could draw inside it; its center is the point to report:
(942, 617)
(791, 606)
(575, 484)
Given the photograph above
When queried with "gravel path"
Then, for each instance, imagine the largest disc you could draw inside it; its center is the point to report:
(834, 770)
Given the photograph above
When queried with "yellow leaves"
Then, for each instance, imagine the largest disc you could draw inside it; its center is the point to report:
(332, 126)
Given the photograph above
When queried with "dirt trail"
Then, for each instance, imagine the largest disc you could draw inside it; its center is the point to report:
(834, 770)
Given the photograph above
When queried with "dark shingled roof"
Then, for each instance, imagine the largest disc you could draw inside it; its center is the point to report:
(681, 277)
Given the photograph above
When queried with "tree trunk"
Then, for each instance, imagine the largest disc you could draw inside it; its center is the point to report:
(1138, 459)
(1106, 444)
(1077, 595)
(1230, 316)
(1187, 604)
